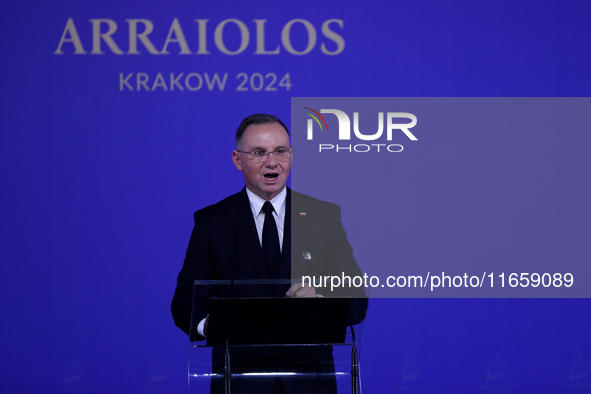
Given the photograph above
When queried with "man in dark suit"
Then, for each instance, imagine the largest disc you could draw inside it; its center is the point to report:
(261, 233)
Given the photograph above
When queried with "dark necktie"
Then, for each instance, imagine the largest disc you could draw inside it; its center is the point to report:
(271, 250)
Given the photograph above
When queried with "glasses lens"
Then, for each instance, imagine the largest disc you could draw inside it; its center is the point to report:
(280, 155)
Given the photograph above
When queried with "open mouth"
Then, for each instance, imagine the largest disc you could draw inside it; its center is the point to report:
(271, 176)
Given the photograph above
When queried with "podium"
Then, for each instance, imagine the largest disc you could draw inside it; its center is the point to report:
(261, 345)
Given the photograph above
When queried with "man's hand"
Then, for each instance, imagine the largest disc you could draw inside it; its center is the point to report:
(298, 291)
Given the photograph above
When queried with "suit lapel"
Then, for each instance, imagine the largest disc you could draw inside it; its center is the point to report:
(298, 223)
(285, 268)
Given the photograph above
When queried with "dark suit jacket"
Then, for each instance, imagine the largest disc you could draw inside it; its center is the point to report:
(225, 239)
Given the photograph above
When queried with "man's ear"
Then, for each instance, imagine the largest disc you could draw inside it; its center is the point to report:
(236, 160)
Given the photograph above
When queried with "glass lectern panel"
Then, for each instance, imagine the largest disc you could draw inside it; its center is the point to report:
(265, 344)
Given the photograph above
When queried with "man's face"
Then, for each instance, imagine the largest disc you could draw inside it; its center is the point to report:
(265, 178)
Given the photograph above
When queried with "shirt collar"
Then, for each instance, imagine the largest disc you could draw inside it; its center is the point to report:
(256, 202)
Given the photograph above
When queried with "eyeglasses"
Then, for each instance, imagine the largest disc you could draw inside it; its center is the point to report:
(280, 154)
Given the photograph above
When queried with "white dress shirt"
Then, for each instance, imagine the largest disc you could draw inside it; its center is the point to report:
(278, 202)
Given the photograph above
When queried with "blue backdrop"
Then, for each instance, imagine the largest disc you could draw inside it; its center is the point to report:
(114, 129)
